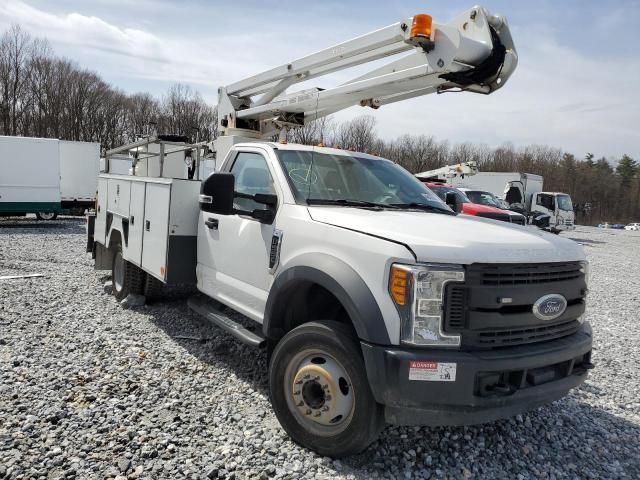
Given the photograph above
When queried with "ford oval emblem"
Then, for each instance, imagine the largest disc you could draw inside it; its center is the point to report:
(550, 306)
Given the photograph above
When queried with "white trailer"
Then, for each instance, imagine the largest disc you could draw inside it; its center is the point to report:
(79, 165)
(523, 192)
(47, 176)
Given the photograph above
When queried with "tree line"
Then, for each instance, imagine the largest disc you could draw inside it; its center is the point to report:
(42, 95)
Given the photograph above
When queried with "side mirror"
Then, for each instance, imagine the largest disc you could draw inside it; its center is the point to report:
(216, 193)
(268, 199)
(454, 203)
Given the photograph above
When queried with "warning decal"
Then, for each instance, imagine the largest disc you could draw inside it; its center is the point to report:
(432, 371)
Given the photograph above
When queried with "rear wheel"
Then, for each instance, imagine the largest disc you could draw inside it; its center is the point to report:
(152, 288)
(46, 215)
(320, 392)
(126, 277)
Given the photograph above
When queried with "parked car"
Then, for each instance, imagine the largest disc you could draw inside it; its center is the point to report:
(476, 209)
(484, 198)
(633, 226)
(618, 226)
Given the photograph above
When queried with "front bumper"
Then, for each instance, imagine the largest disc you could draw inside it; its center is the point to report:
(488, 385)
(564, 227)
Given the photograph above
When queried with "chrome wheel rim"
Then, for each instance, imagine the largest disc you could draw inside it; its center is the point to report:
(46, 215)
(319, 392)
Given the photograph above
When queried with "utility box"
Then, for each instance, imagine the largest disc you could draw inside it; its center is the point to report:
(157, 219)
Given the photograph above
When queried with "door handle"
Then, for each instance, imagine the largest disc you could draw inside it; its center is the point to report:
(211, 223)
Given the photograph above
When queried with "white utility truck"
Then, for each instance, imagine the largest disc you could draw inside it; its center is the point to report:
(47, 176)
(376, 302)
(523, 193)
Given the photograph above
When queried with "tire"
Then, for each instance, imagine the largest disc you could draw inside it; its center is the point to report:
(126, 277)
(46, 215)
(152, 288)
(319, 390)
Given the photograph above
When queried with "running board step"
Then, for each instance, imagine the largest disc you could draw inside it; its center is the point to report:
(204, 307)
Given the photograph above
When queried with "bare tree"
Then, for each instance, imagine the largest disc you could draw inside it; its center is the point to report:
(16, 48)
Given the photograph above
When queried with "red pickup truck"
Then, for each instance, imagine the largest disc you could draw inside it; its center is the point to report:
(476, 209)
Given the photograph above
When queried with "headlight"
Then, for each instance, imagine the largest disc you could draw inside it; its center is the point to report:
(418, 292)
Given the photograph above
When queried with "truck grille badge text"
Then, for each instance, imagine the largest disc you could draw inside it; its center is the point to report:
(550, 306)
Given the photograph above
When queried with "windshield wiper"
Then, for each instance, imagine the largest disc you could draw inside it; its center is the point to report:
(348, 203)
(423, 206)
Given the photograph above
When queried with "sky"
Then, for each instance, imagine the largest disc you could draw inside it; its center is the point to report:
(576, 86)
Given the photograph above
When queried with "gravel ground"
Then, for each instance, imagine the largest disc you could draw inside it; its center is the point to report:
(89, 390)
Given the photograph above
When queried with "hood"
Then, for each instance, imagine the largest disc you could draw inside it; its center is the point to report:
(480, 208)
(512, 214)
(458, 239)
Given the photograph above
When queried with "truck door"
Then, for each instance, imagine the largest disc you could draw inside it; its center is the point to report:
(545, 203)
(233, 256)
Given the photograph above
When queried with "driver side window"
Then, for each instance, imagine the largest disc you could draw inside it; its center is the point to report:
(545, 201)
(252, 176)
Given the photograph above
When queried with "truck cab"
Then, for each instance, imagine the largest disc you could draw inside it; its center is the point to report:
(559, 208)
(449, 312)
(524, 195)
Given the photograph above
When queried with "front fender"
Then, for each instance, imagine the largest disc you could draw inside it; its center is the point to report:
(338, 278)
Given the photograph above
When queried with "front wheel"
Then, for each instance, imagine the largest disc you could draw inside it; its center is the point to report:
(320, 392)
(46, 215)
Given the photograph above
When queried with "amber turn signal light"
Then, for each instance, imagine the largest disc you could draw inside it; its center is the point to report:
(398, 285)
(421, 26)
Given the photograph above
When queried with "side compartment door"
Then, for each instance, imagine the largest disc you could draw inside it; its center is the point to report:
(136, 223)
(119, 197)
(156, 229)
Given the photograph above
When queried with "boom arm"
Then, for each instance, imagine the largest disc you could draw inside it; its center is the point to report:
(449, 172)
(474, 52)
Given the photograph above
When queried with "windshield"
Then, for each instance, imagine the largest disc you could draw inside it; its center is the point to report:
(441, 191)
(483, 198)
(321, 178)
(564, 203)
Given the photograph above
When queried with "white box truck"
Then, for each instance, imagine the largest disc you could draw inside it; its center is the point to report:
(47, 176)
(523, 192)
(376, 302)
